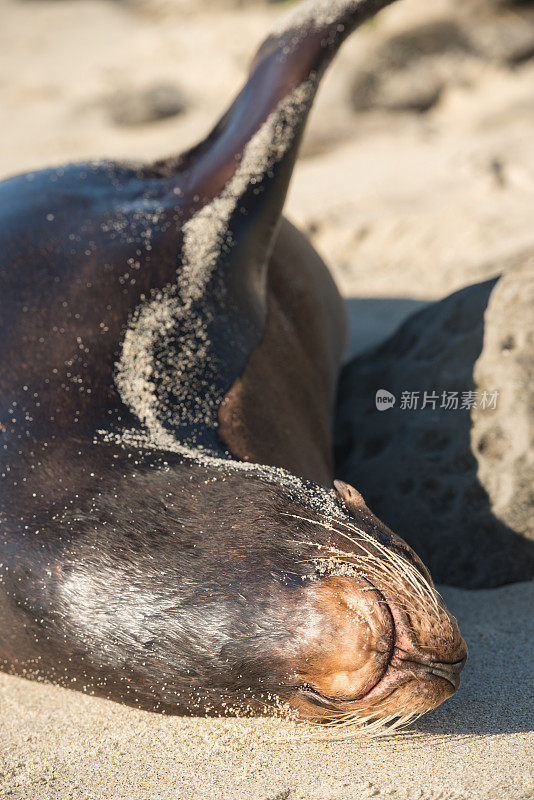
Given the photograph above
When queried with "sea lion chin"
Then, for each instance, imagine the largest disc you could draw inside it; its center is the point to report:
(170, 348)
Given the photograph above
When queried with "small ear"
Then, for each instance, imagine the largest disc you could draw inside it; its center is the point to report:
(349, 495)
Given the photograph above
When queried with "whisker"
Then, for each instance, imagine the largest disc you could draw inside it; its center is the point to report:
(416, 579)
(365, 559)
(361, 725)
(391, 565)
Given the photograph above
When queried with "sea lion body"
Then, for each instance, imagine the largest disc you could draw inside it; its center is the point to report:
(170, 351)
(58, 223)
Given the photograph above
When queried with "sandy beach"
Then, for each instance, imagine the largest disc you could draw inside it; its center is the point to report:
(405, 208)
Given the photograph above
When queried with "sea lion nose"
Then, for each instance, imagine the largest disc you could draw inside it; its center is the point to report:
(450, 672)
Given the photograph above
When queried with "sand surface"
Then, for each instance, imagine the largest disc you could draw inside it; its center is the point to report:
(405, 208)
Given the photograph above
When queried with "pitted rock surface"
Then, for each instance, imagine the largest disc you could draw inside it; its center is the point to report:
(455, 483)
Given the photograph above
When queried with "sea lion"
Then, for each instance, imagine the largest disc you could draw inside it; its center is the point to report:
(170, 350)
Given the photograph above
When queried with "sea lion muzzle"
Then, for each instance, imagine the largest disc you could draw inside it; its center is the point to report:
(406, 653)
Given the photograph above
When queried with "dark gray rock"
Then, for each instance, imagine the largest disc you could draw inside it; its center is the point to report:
(417, 88)
(506, 38)
(408, 71)
(423, 40)
(500, 30)
(142, 106)
(503, 440)
(456, 484)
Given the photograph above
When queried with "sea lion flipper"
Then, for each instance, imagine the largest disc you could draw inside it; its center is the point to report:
(298, 49)
(232, 188)
(246, 162)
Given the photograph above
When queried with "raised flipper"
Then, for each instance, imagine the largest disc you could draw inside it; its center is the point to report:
(186, 347)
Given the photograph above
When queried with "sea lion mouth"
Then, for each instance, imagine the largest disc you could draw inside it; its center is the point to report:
(390, 682)
(449, 671)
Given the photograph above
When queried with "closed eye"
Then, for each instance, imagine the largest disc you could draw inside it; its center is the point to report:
(323, 700)
(311, 694)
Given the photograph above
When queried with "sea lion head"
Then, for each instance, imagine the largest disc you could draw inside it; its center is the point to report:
(333, 615)
(259, 590)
